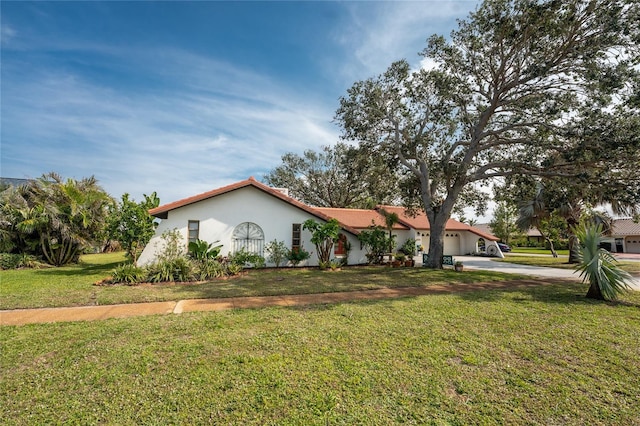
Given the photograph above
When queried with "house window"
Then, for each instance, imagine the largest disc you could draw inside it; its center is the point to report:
(249, 237)
(340, 247)
(295, 236)
(194, 230)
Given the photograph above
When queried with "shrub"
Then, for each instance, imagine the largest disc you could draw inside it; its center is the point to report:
(298, 255)
(245, 259)
(200, 249)
(409, 248)
(206, 269)
(19, 260)
(178, 269)
(598, 267)
(129, 274)
(277, 251)
(234, 269)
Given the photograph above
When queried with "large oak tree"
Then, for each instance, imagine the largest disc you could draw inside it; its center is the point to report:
(341, 176)
(505, 97)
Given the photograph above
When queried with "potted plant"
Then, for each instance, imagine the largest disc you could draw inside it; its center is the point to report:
(399, 259)
(458, 266)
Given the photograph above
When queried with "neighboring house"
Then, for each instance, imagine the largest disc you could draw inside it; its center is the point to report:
(249, 214)
(12, 182)
(532, 234)
(625, 237)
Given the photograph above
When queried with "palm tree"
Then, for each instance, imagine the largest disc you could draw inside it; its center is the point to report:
(61, 217)
(532, 214)
(390, 219)
(598, 266)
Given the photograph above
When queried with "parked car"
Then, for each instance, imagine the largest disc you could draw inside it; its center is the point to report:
(504, 248)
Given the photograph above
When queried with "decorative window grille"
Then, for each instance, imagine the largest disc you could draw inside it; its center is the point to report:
(248, 236)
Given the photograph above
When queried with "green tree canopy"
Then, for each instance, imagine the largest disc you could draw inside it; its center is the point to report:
(53, 217)
(504, 223)
(323, 236)
(511, 89)
(130, 224)
(341, 176)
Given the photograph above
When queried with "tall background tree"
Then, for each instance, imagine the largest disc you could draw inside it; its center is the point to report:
(338, 176)
(504, 222)
(511, 89)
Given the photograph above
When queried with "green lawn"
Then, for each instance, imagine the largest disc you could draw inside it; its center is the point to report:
(561, 262)
(543, 355)
(73, 286)
(535, 250)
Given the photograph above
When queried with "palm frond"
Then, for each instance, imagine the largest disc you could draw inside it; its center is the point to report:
(598, 266)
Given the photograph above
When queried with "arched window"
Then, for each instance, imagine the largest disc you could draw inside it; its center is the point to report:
(248, 236)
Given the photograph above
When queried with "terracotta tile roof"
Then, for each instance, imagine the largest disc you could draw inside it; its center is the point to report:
(162, 211)
(420, 221)
(358, 218)
(351, 220)
(625, 227)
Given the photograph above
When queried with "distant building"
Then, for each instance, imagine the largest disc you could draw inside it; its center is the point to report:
(624, 238)
(532, 234)
(12, 182)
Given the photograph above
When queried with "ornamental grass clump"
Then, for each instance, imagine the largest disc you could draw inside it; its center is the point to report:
(599, 267)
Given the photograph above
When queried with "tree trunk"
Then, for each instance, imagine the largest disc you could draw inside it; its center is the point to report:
(436, 241)
(594, 292)
(553, 250)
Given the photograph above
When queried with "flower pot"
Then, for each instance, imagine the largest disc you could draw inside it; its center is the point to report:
(458, 268)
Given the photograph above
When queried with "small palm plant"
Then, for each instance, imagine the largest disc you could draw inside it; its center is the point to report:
(598, 266)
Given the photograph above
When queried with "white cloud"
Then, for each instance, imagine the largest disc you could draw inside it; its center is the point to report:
(214, 125)
(7, 33)
(381, 33)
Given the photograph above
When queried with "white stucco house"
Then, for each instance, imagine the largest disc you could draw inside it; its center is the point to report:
(250, 214)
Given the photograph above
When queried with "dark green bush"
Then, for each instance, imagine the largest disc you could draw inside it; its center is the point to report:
(206, 269)
(129, 274)
(245, 259)
(19, 260)
(178, 269)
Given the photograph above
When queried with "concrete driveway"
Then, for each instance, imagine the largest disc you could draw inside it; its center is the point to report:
(486, 263)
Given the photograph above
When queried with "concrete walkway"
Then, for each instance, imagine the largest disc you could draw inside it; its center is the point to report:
(91, 313)
(540, 276)
(486, 263)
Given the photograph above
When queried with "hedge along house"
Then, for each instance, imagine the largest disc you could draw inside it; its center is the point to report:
(248, 215)
(244, 215)
(459, 238)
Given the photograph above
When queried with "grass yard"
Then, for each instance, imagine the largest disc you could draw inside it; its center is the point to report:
(542, 355)
(536, 250)
(561, 262)
(73, 286)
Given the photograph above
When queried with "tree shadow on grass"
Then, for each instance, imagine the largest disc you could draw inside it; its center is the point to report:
(79, 269)
(564, 293)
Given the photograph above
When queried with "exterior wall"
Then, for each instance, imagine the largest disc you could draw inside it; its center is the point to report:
(219, 216)
(457, 243)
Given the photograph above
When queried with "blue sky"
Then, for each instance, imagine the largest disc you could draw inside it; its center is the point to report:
(183, 97)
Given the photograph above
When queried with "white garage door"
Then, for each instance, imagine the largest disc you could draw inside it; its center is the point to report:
(632, 244)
